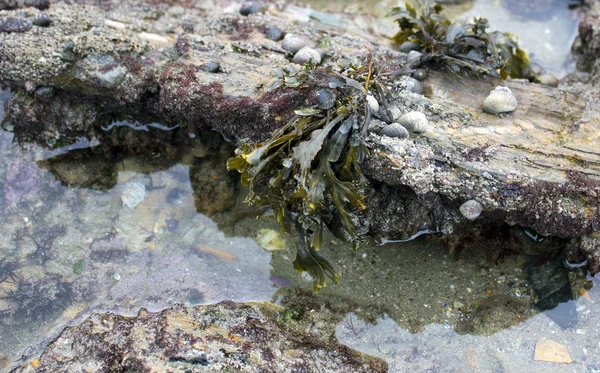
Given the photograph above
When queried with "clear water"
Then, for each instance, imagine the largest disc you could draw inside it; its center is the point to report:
(546, 29)
(83, 232)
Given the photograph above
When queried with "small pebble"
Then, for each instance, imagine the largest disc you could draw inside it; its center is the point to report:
(408, 84)
(325, 99)
(420, 74)
(42, 19)
(293, 43)
(414, 121)
(471, 209)
(249, 7)
(500, 100)
(212, 67)
(8, 24)
(395, 130)
(408, 46)
(548, 79)
(274, 33)
(413, 57)
(373, 104)
(306, 55)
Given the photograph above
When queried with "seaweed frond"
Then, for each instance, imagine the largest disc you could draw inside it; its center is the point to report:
(308, 173)
(469, 46)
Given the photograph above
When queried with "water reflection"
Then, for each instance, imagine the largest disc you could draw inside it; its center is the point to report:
(105, 229)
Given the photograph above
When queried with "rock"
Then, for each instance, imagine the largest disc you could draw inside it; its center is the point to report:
(500, 100)
(306, 55)
(15, 4)
(9, 24)
(414, 121)
(552, 352)
(42, 19)
(325, 99)
(293, 43)
(408, 84)
(420, 74)
(395, 130)
(133, 194)
(373, 104)
(249, 7)
(548, 79)
(409, 46)
(201, 338)
(591, 247)
(270, 240)
(274, 33)
(414, 57)
(471, 209)
(212, 67)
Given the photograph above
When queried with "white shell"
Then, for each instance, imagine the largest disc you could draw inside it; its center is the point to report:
(373, 104)
(133, 193)
(414, 121)
(500, 100)
(394, 130)
(306, 55)
(293, 43)
(471, 209)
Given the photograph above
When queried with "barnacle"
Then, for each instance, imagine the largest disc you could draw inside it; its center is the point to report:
(468, 46)
(308, 172)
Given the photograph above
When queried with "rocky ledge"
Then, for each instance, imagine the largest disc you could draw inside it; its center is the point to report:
(226, 337)
(207, 67)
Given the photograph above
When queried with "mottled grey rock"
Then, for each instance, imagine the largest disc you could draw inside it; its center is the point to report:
(293, 43)
(408, 84)
(212, 67)
(395, 130)
(274, 33)
(414, 121)
(408, 46)
(249, 7)
(413, 57)
(15, 4)
(9, 24)
(500, 100)
(306, 55)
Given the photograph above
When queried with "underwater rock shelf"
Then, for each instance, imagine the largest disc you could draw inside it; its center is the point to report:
(538, 166)
(222, 337)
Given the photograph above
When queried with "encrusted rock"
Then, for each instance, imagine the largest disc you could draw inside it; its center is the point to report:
(414, 121)
(293, 43)
(500, 100)
(408, 84)
(306, 55)
(15, 4)
(471, 209)
(221, 337)
(212, 67)
(9, 24)
(395, 130)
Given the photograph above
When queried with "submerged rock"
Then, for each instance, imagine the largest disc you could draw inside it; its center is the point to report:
(9, 24)
(500, 100)
(222, 337)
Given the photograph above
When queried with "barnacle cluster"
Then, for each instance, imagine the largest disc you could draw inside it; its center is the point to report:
(469, 46)
(308, 173)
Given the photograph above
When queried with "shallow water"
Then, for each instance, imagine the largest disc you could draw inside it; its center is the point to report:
(88, 230)
(546, 29)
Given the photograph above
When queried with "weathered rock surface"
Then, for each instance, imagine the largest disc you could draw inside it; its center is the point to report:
(538, 167)
(223, 337)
